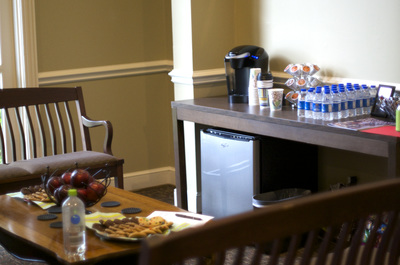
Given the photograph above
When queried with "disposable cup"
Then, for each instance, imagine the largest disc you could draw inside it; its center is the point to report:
(275, 96)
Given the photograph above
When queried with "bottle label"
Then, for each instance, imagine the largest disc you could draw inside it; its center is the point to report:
(301, 104)
(343, 105)
(316, 107)
(75, 219)
(335, 107)
(307, 105)
(365, 102)
(351, 104)
(358, 103)
(326, 108)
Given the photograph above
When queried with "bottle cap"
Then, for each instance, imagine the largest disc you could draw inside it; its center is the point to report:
(72, 192)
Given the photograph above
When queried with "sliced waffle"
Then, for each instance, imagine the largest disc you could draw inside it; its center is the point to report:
(132, 227)
(35, 193)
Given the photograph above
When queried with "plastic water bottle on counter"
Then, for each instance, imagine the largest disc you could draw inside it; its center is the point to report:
(317, 104)
(308, 104)
(359, 100)
(326, 108)
(344, 111)
(74, 229)
(351, 104)
(336, 105)
(366, 100)
(301, 103)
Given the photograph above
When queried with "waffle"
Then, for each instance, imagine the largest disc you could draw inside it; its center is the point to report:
(132, 227)
(35, 193)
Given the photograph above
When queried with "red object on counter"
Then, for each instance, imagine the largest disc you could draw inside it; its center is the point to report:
(384, 130)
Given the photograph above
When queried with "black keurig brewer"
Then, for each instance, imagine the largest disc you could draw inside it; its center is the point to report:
(238, 62)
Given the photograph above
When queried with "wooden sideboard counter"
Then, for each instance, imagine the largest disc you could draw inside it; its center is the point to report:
(285, 124)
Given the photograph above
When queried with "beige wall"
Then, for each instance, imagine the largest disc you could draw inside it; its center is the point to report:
(346, 39)
(76, 34)
(351, 39)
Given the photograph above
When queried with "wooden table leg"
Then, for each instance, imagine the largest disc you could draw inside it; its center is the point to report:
(180, 163)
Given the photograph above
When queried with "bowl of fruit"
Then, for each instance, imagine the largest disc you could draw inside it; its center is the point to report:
(90, 190)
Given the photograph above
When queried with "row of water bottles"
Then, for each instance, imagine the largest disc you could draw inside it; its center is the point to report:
(336, 101)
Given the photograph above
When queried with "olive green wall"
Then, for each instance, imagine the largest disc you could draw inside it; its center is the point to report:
(75, 34)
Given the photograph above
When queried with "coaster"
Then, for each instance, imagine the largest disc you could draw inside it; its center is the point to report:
(110, 204)
(54, 209)
(45, 217)
(56, 224)
(131, 210)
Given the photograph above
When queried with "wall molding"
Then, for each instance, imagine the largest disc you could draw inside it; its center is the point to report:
(178, 76)
(197, 77)
(102, 72)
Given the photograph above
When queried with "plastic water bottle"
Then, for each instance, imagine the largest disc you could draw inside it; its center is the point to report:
(336, 105)
(344, 111)
(74, 229)
(359, 102)
(301, 103)
(366, 100)
(317, 104)
(326, 108)
(308, 104)
(372, 92)
(351, 104)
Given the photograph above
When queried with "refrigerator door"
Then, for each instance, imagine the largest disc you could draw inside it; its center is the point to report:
(229, 172)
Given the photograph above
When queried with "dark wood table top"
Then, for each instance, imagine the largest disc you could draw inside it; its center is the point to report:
(285, 124)
(22, 233)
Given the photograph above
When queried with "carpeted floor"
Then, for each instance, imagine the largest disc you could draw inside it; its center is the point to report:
(163, 193)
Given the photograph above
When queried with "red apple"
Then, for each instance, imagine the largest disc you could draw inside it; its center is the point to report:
(95, 191)
(80, 178)
(82, 194)
(66, 177)
(53, 183)
(61, 193)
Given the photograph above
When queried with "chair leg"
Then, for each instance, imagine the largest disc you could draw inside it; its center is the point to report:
(119, 179)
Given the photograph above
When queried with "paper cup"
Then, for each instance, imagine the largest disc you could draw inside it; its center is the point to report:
(275, 96)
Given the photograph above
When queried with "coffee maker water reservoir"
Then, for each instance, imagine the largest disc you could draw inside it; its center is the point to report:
(238, 63)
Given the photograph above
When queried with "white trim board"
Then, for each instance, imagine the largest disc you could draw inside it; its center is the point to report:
(148, 178)
(101, 72)
(178, 76)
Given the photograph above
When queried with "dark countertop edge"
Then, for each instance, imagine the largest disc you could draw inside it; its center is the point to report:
(240, 110)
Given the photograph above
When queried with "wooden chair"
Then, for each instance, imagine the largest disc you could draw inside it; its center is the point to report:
(46, 130)
(325, 228)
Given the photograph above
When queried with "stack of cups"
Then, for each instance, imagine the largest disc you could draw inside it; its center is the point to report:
(264, 83)
(253, 91)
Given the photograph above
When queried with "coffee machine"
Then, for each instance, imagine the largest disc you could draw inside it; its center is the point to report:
(238, 63)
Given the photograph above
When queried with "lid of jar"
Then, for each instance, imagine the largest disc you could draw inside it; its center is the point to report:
(264, 76)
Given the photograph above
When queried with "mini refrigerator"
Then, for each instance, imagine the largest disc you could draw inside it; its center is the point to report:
(230, 172)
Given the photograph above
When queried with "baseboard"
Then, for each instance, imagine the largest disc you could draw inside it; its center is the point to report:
(149, 178)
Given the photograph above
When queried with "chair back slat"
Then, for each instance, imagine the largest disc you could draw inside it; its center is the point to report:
(52, 131)
(61, 128)
(71, 126)
(11, 154)
(31, 137)
(2, 145)
(41, 133)
(20, 133)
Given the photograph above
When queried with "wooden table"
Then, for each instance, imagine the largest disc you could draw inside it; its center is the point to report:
(25, 236)
(218, 112)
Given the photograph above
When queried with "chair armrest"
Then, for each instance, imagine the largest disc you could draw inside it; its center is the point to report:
(109, 132)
